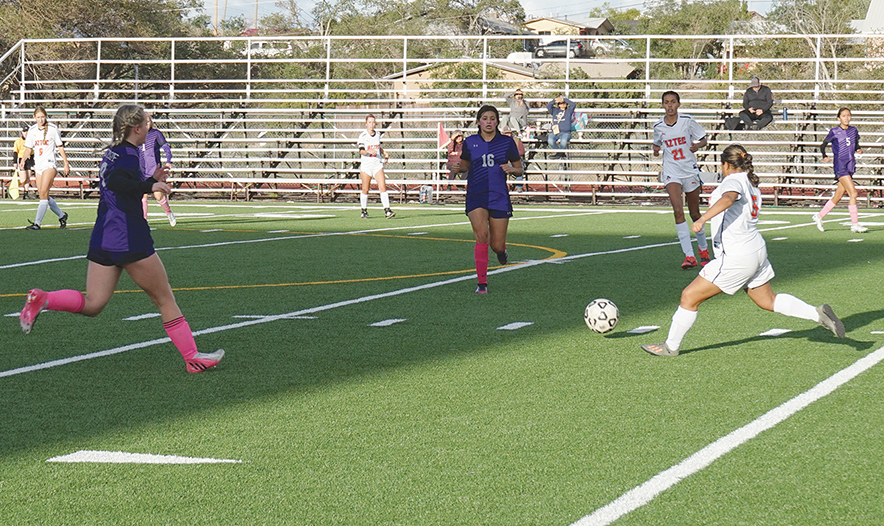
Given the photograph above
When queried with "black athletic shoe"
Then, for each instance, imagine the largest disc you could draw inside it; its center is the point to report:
(482, 288)
(503, 257)
(63, 220)
(389, 213)
(364, 214)
(32, 226)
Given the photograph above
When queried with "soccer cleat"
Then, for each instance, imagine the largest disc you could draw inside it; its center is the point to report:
(364, 214)
(172, 220)
(503, 257)
(32, 226)
(63, 220)
(389, 213)
(819, 222)
(203, 361)
(482, 288)
(856, 228)
(659, 349)
(34, 305)
(704, 258)
(689, 262)
(830, 321)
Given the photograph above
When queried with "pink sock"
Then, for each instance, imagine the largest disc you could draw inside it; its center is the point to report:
(179, 332)
(144, 206)
(66, 301)
(165, 204)
(827, 208)
(481, 252)
(854, 214)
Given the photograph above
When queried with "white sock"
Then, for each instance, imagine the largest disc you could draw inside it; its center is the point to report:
(41, 211)
(794, 307)
(54, 207)
(684, 238)
(682, 321)
(701, 239)
(385, 200)
(363, 201)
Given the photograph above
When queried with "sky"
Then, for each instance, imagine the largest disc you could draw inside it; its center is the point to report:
(533, 8)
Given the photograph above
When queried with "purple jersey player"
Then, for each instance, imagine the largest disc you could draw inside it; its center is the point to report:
(121, 241)
(844, 139)
(149, 154)
(488, 158)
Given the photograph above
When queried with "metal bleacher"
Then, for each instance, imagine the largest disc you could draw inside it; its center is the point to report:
(247, 124)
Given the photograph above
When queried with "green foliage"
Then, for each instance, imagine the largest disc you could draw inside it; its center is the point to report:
(672, 17)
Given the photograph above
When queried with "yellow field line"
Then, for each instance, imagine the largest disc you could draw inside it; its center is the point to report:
(555, 254)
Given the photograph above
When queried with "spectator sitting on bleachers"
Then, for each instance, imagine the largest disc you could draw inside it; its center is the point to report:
(757, 102)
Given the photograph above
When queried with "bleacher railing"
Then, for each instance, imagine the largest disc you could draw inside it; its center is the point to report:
(279, 116)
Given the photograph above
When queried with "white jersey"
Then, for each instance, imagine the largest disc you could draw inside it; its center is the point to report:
(370, 143)
(735, 231)
(44, 148)
(676, 140)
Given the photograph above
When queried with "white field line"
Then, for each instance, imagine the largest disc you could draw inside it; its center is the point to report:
(646, 492)
(121, 457)
(305, 312)
(297, 236)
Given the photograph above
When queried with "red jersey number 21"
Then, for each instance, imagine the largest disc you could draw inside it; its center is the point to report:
(754, 207)
(678, 154)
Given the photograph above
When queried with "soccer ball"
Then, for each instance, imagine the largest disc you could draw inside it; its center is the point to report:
(601, 315)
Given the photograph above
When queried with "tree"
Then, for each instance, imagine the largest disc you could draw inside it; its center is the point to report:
(704, 17)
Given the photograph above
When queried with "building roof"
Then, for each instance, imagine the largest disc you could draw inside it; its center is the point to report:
(874, 21)
(602, 25)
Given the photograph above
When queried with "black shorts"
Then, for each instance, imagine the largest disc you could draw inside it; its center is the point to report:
(117, 259)
(29, 162)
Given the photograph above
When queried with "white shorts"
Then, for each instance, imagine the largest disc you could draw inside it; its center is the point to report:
(41, 165)
(688, 183)
(732, 273)
(371, 166)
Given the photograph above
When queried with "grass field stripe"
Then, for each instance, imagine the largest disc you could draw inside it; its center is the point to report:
(645, 493)
(258, 321)
(121, 457)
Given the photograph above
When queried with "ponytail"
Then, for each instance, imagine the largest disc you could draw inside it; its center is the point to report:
(737, 156)
(126, 118)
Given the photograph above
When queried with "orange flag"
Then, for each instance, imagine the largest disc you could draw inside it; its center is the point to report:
(442, 138)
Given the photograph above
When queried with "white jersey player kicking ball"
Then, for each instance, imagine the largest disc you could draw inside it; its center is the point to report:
(678, 137)
(740, 257)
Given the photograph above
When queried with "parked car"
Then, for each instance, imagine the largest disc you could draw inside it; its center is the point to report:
(611, 46)
(560, 48)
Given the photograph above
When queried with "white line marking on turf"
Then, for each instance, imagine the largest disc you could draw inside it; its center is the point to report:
(877, 332)
(643, 329)
(277, 231)
(775, 332)
(515, 325)
(120, 457)
(645, 493)
(418, 233)
(259, 316)
(779, 239)
(143, 316)
(854, 240)
(387, 323)
(559, 235)
(211, 230)
(636, 236)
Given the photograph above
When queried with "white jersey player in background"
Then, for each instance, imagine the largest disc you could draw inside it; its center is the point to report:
(44, 140)
(740, 257)
(371, 165)
(679, 136)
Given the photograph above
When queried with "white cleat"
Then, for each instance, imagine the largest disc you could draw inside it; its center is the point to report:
(856, 228)
(819, 222)
(172, 220)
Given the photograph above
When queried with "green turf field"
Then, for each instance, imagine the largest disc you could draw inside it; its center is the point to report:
(436, 415)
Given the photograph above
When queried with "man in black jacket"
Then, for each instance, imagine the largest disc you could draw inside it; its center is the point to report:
(757, 102)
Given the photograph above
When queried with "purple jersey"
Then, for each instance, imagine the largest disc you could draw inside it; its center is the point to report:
(149, 152)
(121, 226)
(486, 180)
(845, 143)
